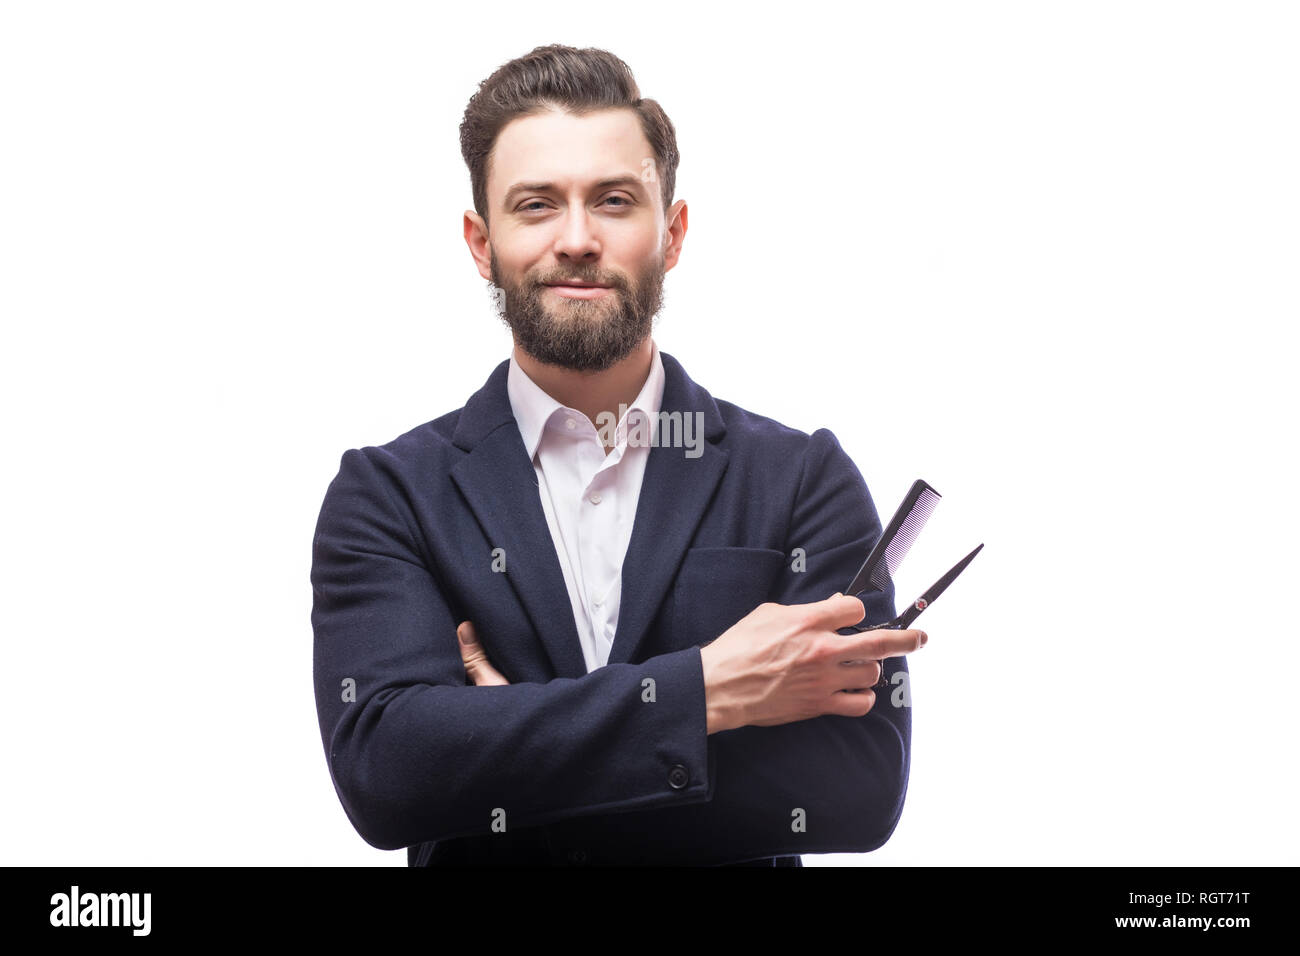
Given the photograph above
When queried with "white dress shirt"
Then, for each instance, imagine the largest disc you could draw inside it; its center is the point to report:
(589, 497)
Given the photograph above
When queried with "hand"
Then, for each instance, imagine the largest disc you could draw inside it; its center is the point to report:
(781, 663)
(480, 670)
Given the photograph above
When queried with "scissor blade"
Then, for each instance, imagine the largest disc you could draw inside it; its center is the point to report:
(930, 596)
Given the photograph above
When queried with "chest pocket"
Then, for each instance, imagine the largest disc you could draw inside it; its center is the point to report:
(716, 587)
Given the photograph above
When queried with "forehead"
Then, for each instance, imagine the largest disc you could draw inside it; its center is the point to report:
(562, 147)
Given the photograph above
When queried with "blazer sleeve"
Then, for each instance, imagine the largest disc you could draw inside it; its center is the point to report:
(417, 753)
(829, 783)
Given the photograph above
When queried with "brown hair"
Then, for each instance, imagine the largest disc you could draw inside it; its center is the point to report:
(563, 77)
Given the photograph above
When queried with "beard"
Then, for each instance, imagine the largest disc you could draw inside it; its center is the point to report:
(584, 335)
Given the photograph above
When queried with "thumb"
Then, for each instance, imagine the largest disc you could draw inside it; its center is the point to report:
(477, 665)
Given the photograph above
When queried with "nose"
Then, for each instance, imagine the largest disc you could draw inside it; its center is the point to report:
(577, 240)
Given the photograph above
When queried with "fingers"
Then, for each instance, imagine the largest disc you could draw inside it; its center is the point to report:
(881, 643)
(477, 666)
(859, 673)
(838, 610)
(852, 705)
(845, 610)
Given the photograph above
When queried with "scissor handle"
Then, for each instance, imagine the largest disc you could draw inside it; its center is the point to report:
(890, 625)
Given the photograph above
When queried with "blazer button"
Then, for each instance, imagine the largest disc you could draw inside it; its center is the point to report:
(578, 857)
(677, 777)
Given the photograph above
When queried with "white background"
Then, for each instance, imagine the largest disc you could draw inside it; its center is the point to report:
(1043, 255)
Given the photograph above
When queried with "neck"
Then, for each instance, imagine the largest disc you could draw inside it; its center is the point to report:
(592, 392)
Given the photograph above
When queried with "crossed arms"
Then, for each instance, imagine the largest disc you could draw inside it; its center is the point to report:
(416, 754)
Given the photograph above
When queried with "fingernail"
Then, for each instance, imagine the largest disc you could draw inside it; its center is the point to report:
(463, 633)
(924, 637)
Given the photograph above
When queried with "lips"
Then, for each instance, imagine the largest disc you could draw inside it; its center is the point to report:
(578, 285)
(584, 291)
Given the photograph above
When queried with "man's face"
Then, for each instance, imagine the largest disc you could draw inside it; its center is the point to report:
(558, 216)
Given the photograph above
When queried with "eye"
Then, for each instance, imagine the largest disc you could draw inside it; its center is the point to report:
(622, 199)
(533, 202)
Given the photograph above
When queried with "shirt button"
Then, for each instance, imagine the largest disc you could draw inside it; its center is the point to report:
(677, 777)
(595, 498)
(578, 857)
(570, 423)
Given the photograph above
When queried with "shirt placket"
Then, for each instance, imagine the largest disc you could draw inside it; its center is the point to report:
(599, 537)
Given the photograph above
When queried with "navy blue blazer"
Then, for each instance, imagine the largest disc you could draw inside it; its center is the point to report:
(613, 766)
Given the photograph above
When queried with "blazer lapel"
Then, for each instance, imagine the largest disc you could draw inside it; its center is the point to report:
(500, 486)
(674, 494)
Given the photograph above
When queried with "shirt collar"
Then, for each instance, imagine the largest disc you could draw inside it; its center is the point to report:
(533, 408)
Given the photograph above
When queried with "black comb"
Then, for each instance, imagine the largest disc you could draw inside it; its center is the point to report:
(896, 541)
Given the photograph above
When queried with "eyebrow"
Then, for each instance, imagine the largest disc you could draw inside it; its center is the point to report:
(627, 180)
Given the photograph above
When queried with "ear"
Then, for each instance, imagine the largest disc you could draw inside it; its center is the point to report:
(676, 233)
(480, 246)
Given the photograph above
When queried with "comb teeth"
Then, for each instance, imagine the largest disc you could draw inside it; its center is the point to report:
(888, 553)
(902, 541)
